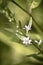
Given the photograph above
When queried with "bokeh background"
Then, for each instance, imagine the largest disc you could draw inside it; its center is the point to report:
(12, 51)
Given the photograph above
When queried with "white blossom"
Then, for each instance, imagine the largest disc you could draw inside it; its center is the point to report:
(27, 27)
(26, 40)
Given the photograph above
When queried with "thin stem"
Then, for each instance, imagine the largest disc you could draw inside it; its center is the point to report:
(32, 55)
(37, 47)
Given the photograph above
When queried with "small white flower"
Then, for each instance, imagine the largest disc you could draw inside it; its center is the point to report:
(27, 27)
(26, 40)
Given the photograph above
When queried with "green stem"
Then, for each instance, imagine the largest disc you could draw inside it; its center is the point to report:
(26, 33)
(37, 47)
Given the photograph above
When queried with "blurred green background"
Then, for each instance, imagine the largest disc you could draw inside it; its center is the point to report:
(12, 51)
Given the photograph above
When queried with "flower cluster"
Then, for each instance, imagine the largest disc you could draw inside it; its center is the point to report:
(26, 39)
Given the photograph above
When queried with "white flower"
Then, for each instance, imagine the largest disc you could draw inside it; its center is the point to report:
(27, 27)
(26, 40)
